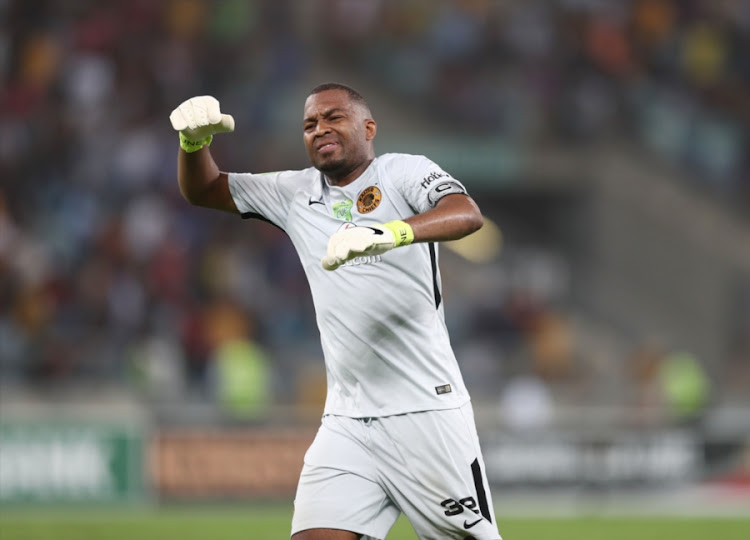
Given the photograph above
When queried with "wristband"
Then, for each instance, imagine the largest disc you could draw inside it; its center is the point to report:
(193, 146)
(402, 232)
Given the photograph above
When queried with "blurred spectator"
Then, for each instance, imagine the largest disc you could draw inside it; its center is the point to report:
(96, 245)
(243, 382)
(669, 386)
(526, 404)
(645, 395)
(159, 368)
(686, 388)
(239, 370)
(672, 73)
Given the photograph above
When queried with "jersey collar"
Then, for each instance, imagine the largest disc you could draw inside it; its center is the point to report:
(365, 177)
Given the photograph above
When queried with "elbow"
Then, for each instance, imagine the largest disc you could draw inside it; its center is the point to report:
(185, 189)
(188, 196)
(475, 219)
(476, 222)
(193, 194)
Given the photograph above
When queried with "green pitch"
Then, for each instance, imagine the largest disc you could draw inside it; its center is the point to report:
(272, 522)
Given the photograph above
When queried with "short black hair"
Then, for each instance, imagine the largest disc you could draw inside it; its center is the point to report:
(353, 94)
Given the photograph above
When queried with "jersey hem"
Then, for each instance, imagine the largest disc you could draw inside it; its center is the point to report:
(396, 412)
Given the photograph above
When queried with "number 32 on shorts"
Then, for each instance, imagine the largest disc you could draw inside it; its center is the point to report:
(453, 508)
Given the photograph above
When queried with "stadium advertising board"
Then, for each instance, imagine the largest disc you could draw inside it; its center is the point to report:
(223, 464)
(622, 459)
(70, 462)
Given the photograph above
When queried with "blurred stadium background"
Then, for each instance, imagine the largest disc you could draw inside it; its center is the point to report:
(153, 354)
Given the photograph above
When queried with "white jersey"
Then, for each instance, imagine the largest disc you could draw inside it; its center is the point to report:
(381, 320)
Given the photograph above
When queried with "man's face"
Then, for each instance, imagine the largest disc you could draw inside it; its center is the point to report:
(338, 133)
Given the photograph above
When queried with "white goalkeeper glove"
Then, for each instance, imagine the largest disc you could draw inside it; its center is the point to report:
(197, 120)
(366, 241)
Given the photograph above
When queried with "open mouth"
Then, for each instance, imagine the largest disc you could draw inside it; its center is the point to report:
(327, 147)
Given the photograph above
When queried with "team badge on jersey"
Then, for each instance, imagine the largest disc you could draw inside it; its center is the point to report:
(369, 200)
(343, 210)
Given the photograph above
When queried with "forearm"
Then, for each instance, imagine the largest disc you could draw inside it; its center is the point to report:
(196, 172)
(197, 120)
(454, 217)
(201, 182)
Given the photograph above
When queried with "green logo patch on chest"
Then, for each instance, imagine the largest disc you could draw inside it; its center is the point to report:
(343, 210)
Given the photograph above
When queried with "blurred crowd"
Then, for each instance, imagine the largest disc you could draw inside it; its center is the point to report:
(672, 75)
(107, 274)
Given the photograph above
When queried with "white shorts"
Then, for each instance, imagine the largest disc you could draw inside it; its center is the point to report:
(360, 474)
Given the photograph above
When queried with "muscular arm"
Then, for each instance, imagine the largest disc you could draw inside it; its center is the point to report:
(453, 217)
(201, 182)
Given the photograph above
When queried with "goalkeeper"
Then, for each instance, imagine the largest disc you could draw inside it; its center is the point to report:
(398, 432)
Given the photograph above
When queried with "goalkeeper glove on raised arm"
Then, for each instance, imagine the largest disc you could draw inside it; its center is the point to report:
(198, 119)
(366, 241)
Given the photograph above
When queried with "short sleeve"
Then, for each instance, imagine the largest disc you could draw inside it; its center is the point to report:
(265, 196)
(423, 183)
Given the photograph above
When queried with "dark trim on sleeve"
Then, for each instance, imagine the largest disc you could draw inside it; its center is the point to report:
(433, 262)
(259, 217)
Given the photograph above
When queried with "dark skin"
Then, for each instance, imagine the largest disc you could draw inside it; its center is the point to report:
(338, 136)
(326, 534)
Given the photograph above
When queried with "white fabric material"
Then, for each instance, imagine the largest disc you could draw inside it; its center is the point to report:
(384, 338)
(359, 474)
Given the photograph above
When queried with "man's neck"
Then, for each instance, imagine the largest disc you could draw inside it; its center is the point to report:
(349, 177)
